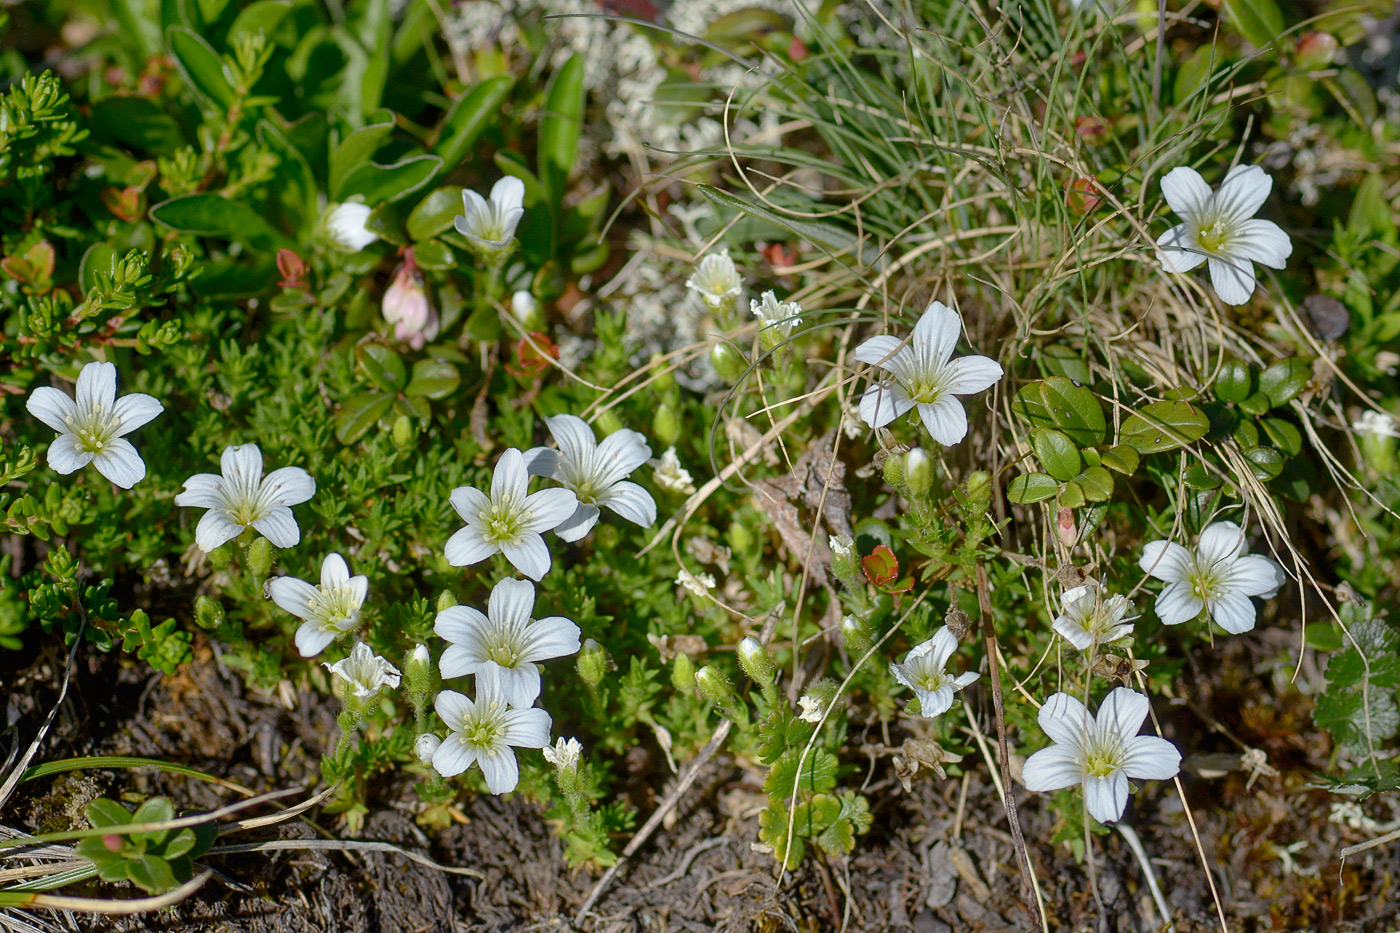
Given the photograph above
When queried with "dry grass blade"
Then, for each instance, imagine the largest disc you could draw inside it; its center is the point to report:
(341, 845)
(98, 905)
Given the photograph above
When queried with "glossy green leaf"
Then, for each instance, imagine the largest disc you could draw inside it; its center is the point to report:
(1071, 496)
(296, 184)
(138, 123)
(1163, 426)
(200, 65)
(434, 214)
(100, 257)
(382, 365)
(358, 415)
(356, 149)
(265, 15)
(1264, 462)
(1032, 487)
(1284, 435)
(1097, 484)
(435, 255)
(1259, 21)
(154, 810)
(560, 125)
(385, 184)
(1234, 382)
(433, 379)
(1121, 459)
(1283, 381)
(1197, 476)
(104, 812)
(469, 117)
(1059, 403)
(1056, 452)
(210, 214)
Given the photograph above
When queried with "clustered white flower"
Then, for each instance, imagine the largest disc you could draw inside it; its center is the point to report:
(329, 610)
(1218, 576)
(510, 520)
(92, 428)
(595, 473)
(925, 672)
(716, 280)
(243, 498)
(1089, 618)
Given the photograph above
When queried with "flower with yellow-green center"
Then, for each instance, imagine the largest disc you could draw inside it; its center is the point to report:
(483, 732)
(925, 672)
(716, 281)
(1099, 753)
(596, 473)
(243, 498)
(511, 520)
(364, 672)
(1218, 576)
(91, 428)
(505, 640)
(1219, 228)
(1088, 617)
(490, 225)
(329, 610)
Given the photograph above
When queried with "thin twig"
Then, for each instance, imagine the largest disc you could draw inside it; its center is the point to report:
(1131, 837)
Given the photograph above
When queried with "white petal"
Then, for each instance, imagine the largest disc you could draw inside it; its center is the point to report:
(934, 703)
(136, 410)
(880, 351)
(966, 679)
(633, 503)
(1243, 192)
(242, 460)
(214, 529)
(202, 491)
(941, 646)
(551, 637)
(1264, 242)
(574, 437)
(549, 507)
(1150, 758)
(1233, 612)
(97, 385)
(334, 572)
(459, 624)
(520, 684)
(1177, 604)
(500, 769)
(293, 595)
(528, 555)
(579, 524)
(528, 728)
(311, 639)
(289, 486)
(1065, 720)
(1123, 711)
(51, 406)
(1186, 191)
(467, 546)
(1165, 560)
(453, 708)
(971, 374)
(511, 603)
(945, 420)
(1106, 798)
(453, 756)
(1233, 280)
(510, 478)
(461, 660)
(1052, 768)
(541, 461)
(1220, 541)
(1256, 575)
(881, 404)
(279, 527)
(1072, 633)
(65, 456)
(935, 336)
(469, 502)
(508, 194)
(1179, 250)
(620, 453)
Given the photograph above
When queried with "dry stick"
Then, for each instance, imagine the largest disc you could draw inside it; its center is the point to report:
(649, 827)
(1023, 861)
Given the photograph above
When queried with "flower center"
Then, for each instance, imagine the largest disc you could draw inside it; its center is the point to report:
(93, 429)
(1207, 583)
(337, 608)
(504, 521)
(1104, 756)
(485, 730)
(503, 654)
(931, 681)
(1214, 238)
(926, 391)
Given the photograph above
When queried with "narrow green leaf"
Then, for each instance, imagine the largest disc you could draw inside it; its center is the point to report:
(296, 185)
(1163, 426)
(382, 365)
(560, 126)
(211, 215)
(266, 15)
(355, 150)
(821, 234)
(470, 115)
(385, 184)
(200, 65)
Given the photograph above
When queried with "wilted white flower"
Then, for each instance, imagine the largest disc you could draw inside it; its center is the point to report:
(926, 375)
(243, 497)
(511, 520)
(364, 672)
(811, 708)
(842, 546)
(669, 474)
(564, 754)
(923, 672)
(595, 473)
(425, 747)
(483, 733)
(716, 281)
(330, 610)
(698, 583)
(1220, 229)
(91, 429)
(779, 317)
(490, 225)
(406, 306)
(1375, 424)
(1220, 575)
(1099, 753)
(505, 639)
(1088, 618)
(345, 224)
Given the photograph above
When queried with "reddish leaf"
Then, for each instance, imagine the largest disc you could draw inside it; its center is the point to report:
(293, 269)
(880, 566)
(530, 361)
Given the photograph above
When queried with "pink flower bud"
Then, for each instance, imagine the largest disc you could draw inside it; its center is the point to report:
(406, 306)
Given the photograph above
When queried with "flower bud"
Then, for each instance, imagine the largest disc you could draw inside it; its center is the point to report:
(666, 425)
(856, 635)
(683, 673)
(714, 686)
(418, 671)
(665, 379)
(975, 495)
(729, 363)
(756, 662)
(208, 613)
(526, 309)
(345, 225)
(814, 704)
(609, 422)
(893, 470)
(406, 306)
(446, 600)
(1314, 50)
(425, 746)
(918, 471)
(403, 432)
(592, 663)
(843, 557)
(260, 557)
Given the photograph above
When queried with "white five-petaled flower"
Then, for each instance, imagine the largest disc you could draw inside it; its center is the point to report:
(716, 281)
(564, 753)
(926, 375)
(490, 225)
(330, 610)
(483, 732)
(594, 472)
(1220, 229)
(923, 672)
(364, 672)
(1375, 424)
(1090, 618)
(90, 429)
(811, 707)
(511, 520)
(505, 640)
(243, 497)
(345, 224)
(1220, 575)
(774, 315)
(1100, 753)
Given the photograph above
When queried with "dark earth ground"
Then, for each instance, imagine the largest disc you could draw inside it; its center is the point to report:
(920, 868)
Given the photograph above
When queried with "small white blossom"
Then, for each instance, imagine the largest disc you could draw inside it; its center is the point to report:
(1220, 229)
(365, 672)
(595, 473)
(842, 546)
(425, 747)
(923, 672)
(1088, 618)
(523, 305)
(483, 733)
(1375, 424)
(564, 754)
(490, 225)
(330, 610)
(670, 475)
(511, 520)
(505, 639)
(243, 497)
(1099, 753)
(91, 429)
(1220, 576)
(345, 224)
(716, 281)
(698, 583)
(811, 708)
(926, 375)
(778, 316)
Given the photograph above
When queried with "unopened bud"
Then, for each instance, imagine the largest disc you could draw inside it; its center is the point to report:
(893, 470)
(843, 557)
(208, 613)
(729, 363)
(425, 746)
(666, 425)
(418, 671)
(406, 306)
(526, 310)
(683, 673)
(260, 557)
(918, 471)
(403, 433)
(975, 495)
(714, 686)
(756, 662)
(592, 663)
(1315, 50)
(856, 635)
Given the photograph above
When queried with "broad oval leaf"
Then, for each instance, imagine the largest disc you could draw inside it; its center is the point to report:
(1282, 381)
(1097, 484)
(434, 214)
(434, 254)
(137, 122)
(359, 414)
(1121, 459)
(1233, 383)
(382, 365)
(1057, 453)
(1032, 487)
(433, 379)
(1064, 405)
(1264, 462)
(355, 150)
(1163, 426)
(385, 184)
(211, 215)
(200, 65)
